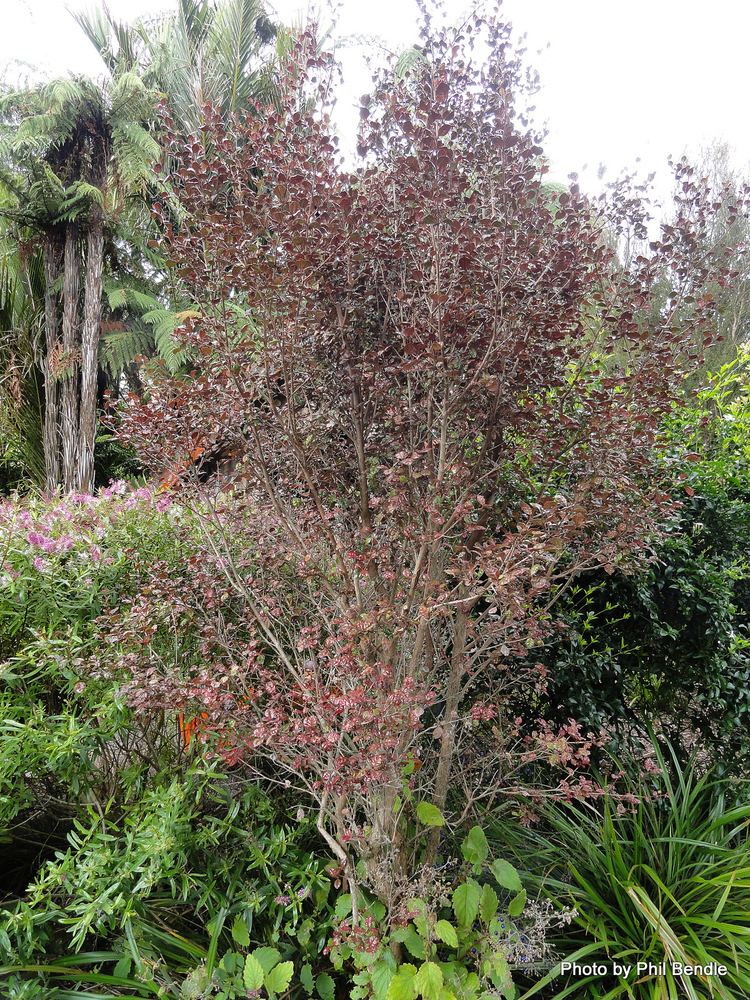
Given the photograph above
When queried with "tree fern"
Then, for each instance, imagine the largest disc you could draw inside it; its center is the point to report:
(21, 383)
(120, 348)
(163, 324)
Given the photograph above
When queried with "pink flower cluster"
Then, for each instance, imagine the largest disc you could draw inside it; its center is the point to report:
(40, 531)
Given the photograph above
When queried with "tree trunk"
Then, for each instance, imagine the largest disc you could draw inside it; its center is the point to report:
(70, 360)
(450, 719)
(90, 334)
(51, 436)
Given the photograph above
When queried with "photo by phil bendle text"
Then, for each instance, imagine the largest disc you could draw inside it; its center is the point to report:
(644, 968)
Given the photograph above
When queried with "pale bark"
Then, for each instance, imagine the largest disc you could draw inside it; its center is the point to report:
(51, 437)
(90, 335)
(69, 414)
(449, 722)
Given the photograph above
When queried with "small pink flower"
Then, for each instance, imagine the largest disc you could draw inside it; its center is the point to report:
(40, 564)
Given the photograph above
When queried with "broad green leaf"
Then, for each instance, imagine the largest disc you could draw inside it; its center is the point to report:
(402, 985)
(419, 908)
(516, 905)
(506, 875)
(343, 905)
(488, 903)
(240, 933)
(471, 984)
(500, 968)
(475, 847)
(325, 986)
(466, 902)
(268, 957)
(279, 977)
(121, 969)
(414, 943)
(416, 904)
(447, 933)
(429, 815)
(306, 978)
(381, 975)
(252, 975)
(429, 981)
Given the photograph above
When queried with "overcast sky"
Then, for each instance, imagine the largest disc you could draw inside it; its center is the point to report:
(620, 78)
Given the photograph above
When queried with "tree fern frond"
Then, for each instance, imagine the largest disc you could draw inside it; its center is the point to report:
(164, 323)
(78, 199)
(119, 348)
(135, 152)
(121, 296)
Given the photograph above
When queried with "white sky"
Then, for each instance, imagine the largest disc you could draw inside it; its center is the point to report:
(621, 79)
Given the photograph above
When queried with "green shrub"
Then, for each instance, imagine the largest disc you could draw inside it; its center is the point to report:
(670, 645)
(664, 880)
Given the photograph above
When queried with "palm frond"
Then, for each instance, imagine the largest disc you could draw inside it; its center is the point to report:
(412, 60)
(235, 43)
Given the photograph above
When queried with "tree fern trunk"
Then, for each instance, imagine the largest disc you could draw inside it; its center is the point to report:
(70, 361)
(51, 434)
(90, 334)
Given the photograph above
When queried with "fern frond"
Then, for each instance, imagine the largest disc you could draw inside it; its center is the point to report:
(164, 323)
(119, 348)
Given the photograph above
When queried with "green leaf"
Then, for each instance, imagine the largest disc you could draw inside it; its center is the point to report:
(475, 847)
(414, 943)
(382, 974)
(304, 931)
(500, 971)
(325, 986)
(466, 902)
(447, 933)
(488, 903)
(343, 905)
(516, 905)
(429, 981)
(268, 957)
(252, 975)
(240, 933)
(306, 978)
(429, 815)
(506, 875)
(279, 977)
(402, 985)
(418, 908)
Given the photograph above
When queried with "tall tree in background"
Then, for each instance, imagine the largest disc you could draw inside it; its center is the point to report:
(208, 52)
(74, 153)
(77, 158)
(730, 232)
